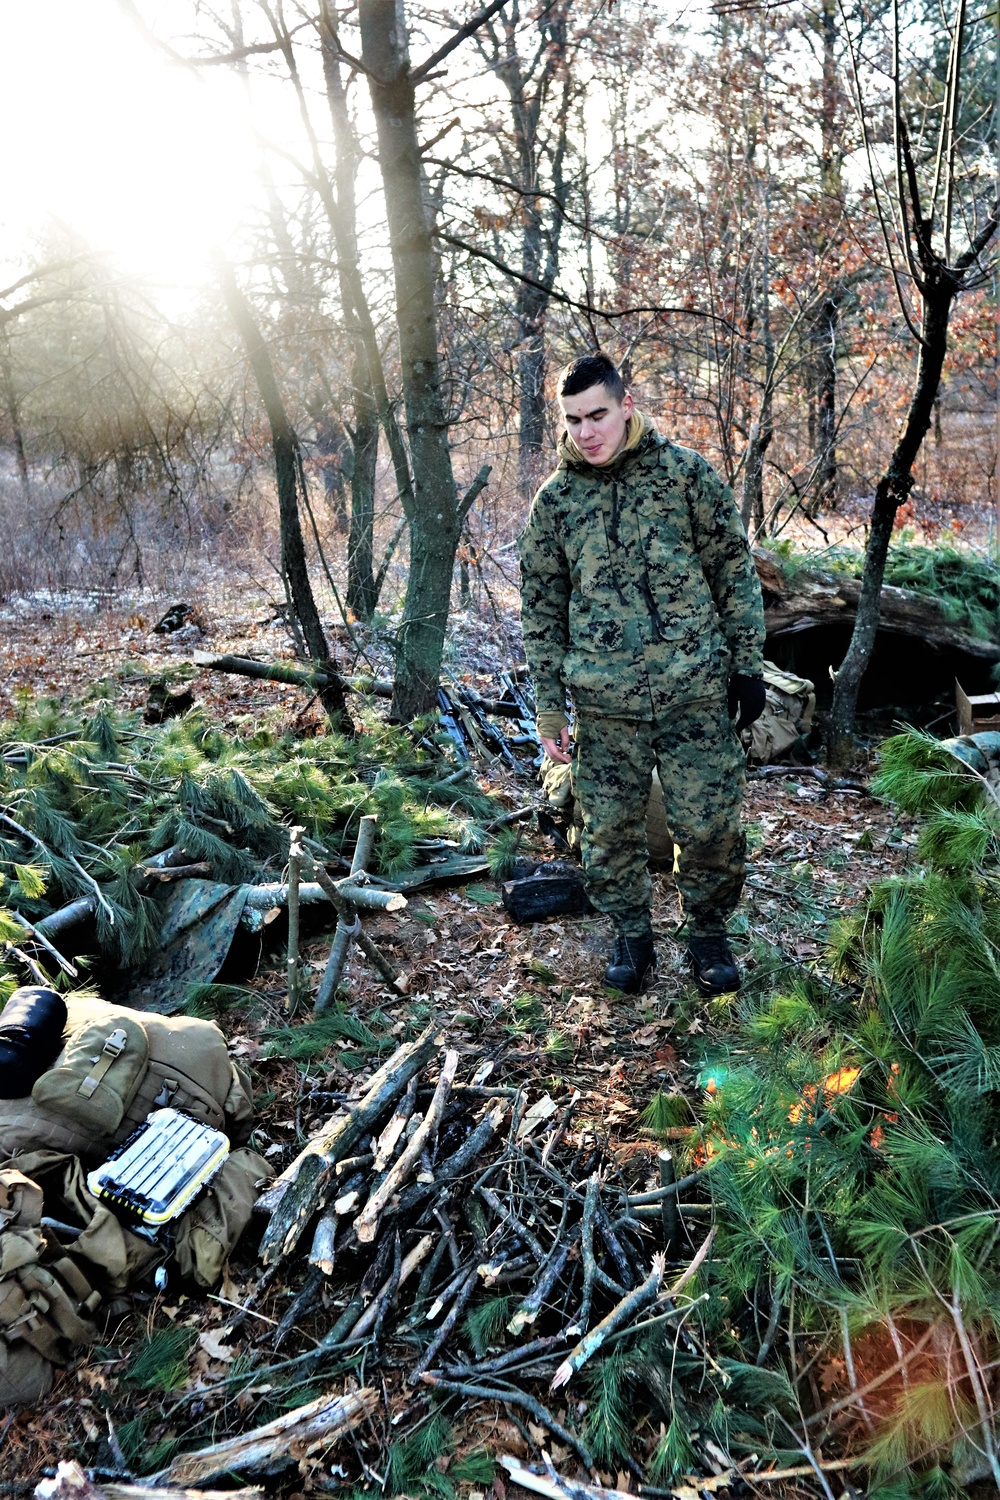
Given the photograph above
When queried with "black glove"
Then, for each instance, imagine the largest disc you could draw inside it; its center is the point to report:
(746, 694)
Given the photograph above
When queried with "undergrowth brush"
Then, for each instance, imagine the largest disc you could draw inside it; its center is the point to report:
(849, 1137)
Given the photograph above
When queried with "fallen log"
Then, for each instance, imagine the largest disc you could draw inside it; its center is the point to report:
(58, 923)
(271, 1448)
(298, 676)
(245, 666)
(71, 1483)
(267, 897)
(816, 598)
(303, 1185)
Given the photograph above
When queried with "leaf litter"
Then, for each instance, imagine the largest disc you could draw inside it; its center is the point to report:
(531, 1003)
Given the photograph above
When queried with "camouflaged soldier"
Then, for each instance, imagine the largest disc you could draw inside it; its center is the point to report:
(640, 599)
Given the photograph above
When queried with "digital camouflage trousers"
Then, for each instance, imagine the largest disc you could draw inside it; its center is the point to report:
(703, 771)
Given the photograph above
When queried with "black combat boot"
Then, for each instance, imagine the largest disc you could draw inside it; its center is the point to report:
(632, 960)
(715, 971)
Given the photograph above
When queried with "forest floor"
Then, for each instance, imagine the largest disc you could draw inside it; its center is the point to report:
(813, 853)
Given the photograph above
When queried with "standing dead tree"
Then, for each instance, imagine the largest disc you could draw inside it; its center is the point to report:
(925, 225)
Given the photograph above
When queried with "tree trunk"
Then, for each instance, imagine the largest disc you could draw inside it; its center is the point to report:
(286, 463)
(361, 595)
(824, 325)
(890, 492)
(435, 522)
(530, 84)
(531, 382)
(825, 336)
(17, 435)
(343, 221)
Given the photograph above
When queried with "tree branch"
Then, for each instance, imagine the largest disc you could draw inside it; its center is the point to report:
(456, 39)
(475, 489)
(975, 250)
(567, 301)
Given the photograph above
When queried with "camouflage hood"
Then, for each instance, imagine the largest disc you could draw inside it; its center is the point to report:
(638, 592)
(640, 433)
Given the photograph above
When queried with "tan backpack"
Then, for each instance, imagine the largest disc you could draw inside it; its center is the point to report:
(115, 1067)
(46, 1301)
(49, 1292)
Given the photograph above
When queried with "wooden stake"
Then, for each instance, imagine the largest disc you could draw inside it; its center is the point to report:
(295, 853)
(668, 1208)
(349, 925)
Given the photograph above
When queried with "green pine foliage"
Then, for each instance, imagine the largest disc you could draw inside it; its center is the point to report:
(161, 1361)
(503, 852)
(853, 1142)
(411, 1467)
(675, 1453)
(665, 1112)
(921, 778)
(314, 1039)
(485, 1324)
(209, 1002)
(609, 1418)
(87, 796)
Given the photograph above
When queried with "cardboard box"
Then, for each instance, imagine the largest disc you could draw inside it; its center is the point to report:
(981, 711)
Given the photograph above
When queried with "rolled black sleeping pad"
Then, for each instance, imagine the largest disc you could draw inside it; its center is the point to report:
(31, 1031)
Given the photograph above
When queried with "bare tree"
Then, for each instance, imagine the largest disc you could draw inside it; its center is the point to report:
(288, 473)
(926, 225)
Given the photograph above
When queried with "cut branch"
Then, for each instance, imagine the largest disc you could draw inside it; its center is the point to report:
(268, 1449)
(366, 1223)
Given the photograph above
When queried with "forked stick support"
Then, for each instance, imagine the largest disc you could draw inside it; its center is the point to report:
(348, 921)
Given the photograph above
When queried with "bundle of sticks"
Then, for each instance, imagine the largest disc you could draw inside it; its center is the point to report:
(428, 1197)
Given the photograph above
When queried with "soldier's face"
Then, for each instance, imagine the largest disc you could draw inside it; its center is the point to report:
(597, 422)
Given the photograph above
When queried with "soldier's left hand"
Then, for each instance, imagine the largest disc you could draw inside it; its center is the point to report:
(747, 696)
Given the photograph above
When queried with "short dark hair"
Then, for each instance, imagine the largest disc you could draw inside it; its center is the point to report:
(591, 369)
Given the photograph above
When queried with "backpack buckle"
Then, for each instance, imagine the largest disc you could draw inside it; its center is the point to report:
(113, 1048)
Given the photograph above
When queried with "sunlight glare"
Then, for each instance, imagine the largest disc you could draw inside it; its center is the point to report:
(140, 155)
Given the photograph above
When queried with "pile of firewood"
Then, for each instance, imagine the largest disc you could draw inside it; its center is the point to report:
(427, 1197)
(415, 1206)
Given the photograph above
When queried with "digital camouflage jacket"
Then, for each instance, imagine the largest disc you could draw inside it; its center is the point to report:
(638, 591)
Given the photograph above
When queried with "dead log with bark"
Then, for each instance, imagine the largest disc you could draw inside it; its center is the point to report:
(811, 598)
(267, 1450)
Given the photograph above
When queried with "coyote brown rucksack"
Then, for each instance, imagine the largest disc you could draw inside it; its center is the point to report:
(46, 1301)
(50, 1292)
(115, 1067)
